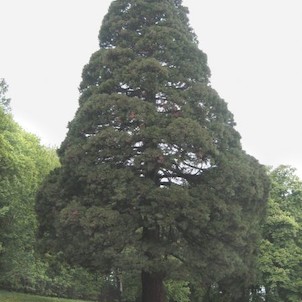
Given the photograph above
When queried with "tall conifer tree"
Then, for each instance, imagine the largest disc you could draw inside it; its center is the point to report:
(153, 175)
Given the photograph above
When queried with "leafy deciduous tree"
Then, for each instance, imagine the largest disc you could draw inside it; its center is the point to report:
(4, 100)
(281, 249)
(23, 165)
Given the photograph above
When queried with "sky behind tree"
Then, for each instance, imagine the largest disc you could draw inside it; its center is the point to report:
(254, 52)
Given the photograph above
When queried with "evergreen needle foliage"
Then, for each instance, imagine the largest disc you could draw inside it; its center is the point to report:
(153, 176)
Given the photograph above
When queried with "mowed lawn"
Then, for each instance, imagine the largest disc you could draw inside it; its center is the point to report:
(6, 296)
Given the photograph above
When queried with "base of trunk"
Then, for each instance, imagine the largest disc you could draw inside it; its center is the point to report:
(153, 287)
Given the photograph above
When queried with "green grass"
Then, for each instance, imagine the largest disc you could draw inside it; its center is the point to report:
(6, 296)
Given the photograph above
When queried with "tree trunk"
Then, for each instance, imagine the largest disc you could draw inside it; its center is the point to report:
(267, 293)
(153, 287)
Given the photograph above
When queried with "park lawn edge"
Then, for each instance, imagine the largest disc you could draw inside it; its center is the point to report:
(7, 296)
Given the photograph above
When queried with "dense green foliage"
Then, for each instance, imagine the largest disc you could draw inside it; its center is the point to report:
(279, 274)
(278, 277)
(281, 249)
(153, 184)
(153, 177)
(24, 164)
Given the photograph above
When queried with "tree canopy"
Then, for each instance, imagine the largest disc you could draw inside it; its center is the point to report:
(24, 163)
(153, 178)
(4, 100)
(281, 249)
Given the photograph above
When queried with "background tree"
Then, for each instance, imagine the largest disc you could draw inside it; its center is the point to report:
(4, 100)
(281, 249)
(153, 177)
(23, 165)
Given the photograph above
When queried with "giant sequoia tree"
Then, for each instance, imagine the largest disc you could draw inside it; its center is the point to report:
(153, 177)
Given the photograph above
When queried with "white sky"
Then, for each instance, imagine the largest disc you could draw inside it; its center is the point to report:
(254, 49)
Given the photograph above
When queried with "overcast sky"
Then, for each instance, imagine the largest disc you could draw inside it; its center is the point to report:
(254, 50)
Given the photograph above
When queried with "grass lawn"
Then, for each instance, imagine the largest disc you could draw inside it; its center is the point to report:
(6, 296)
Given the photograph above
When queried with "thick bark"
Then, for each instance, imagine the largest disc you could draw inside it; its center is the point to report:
(153, 287)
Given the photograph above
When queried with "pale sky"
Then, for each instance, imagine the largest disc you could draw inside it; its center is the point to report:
(254, 50)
